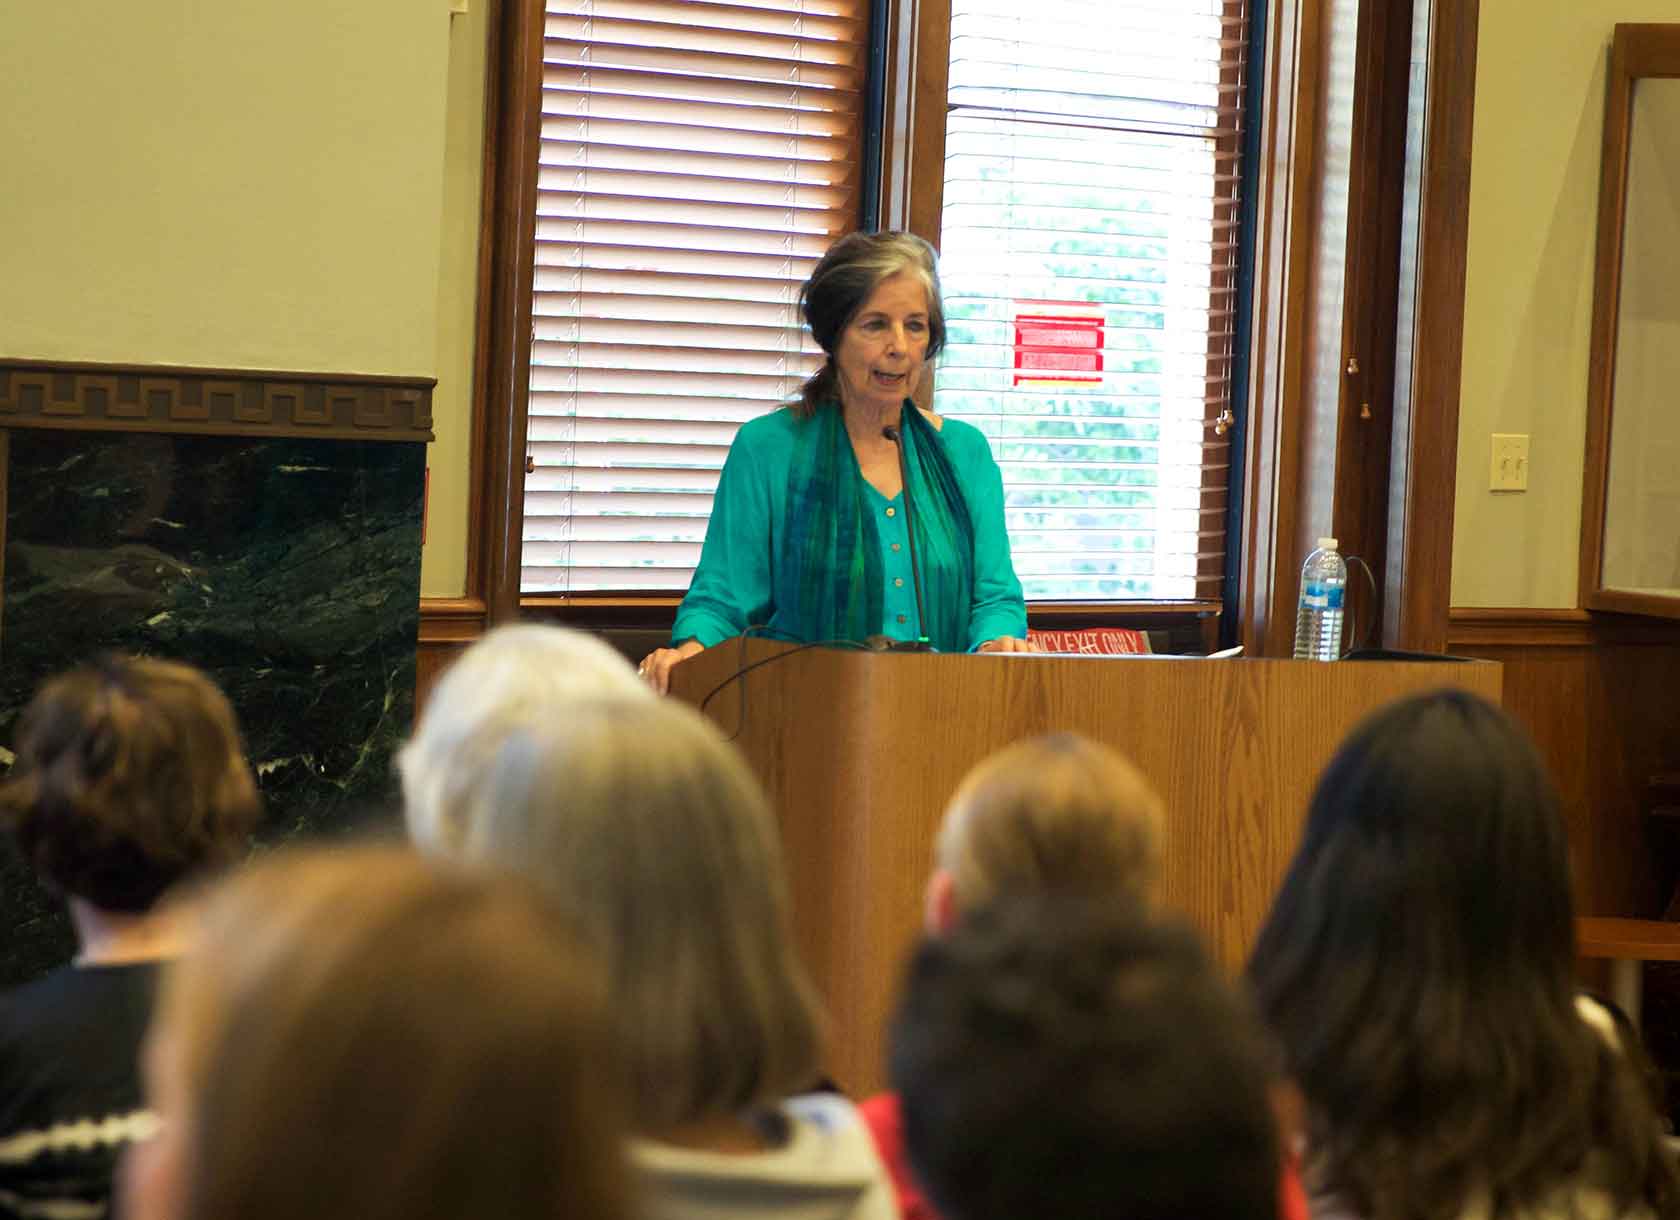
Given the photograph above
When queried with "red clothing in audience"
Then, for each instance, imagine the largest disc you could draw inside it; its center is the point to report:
(1292, 1195)
(881, 1116)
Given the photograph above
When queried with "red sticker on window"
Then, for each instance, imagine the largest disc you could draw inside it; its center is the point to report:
(1058, 343)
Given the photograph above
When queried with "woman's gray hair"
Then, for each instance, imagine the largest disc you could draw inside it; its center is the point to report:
(843, 281)
(516, 675)
(647, 827)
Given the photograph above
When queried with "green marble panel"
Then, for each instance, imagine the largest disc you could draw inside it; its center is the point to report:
(288, 569)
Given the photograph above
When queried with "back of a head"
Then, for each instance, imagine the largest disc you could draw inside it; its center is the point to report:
(1418, 968)
(1058, 815)
(648, 828)
(521, 674)
(130, 777)
(1063, 1060)
(360, 1036)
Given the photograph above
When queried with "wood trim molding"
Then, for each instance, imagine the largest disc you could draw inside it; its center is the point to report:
(1518, 627)
(1636, 52)
(510, 216)
(482, 534)
(1627, 601)
(913, 136)
(1363, 399)
(1284, 236)
(1476, 627)
(447, 626)
(451, 620)
(85, 397)
(1424, 466)
(1607, 276)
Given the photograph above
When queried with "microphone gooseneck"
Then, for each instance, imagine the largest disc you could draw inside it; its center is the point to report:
(891, 433)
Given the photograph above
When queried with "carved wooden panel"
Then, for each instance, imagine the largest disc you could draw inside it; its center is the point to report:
(231, 402)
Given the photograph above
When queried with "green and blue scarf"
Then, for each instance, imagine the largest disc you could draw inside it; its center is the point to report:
(829, 583)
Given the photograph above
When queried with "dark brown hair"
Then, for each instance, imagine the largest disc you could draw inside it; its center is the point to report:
(358, 1035)
(1418, 969)
(129, 778)
(1063, 1059)
(843, 280)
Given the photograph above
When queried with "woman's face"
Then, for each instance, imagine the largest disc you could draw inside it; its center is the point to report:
(883, 349)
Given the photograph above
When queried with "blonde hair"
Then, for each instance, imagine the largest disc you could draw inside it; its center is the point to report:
(1058, 815)
(516, 675)
(843, 281)
(361, 1036)
(647, 827)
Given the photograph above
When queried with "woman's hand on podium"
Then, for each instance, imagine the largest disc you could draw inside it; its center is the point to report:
(1006, 643)
(656, 667)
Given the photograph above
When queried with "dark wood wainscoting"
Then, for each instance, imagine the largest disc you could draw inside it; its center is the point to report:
(1601, 695)
(447, 625)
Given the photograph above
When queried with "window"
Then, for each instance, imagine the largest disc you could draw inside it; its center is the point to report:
(696, 160)
(1088, 252)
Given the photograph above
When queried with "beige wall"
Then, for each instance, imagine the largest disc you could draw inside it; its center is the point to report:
(253, 185)
(204, 182)
(1528, 296)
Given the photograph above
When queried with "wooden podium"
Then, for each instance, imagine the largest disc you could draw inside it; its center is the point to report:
(860, 751)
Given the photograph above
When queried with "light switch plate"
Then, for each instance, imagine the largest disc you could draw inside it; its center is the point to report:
(1508, 470)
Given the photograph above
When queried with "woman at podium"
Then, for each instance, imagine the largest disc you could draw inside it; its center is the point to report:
(852, 513)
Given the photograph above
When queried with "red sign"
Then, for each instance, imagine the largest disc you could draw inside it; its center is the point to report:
(1100, 641)
(1058, 343)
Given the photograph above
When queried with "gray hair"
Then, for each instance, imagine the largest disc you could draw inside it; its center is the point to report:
(649, 830)
(514, 676)
(843, 281)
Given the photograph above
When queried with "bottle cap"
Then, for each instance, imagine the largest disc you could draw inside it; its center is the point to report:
(1326, 544)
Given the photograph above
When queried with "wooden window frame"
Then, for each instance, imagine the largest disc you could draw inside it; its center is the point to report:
(1393, 488)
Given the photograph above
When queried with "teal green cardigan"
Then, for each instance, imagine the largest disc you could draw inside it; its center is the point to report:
(734, 586)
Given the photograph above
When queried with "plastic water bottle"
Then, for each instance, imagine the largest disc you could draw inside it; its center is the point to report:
(1318, 622)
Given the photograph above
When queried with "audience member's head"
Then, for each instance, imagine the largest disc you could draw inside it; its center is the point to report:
(514, 677)
(647, 827)
(1059, 815)
(130, 777)
(359, 1036)
(1063, 1059)
(1418, 968)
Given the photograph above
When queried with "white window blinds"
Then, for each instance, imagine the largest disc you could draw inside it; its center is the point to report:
(1088, 253)
(697, 158)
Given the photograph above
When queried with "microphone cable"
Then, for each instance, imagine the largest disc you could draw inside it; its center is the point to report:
(771, 633)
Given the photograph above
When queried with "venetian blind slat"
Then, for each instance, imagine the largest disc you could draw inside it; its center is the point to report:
(1088, 251)
(696, 160)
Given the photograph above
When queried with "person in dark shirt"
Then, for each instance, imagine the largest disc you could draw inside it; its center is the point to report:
(130, 778)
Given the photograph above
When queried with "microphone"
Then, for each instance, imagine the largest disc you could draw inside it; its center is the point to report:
(920, 644)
